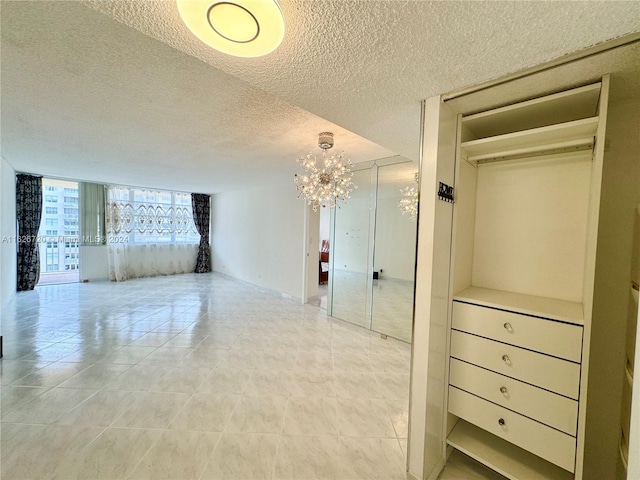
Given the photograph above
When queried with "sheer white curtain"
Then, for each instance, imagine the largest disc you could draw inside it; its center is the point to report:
(149, 233)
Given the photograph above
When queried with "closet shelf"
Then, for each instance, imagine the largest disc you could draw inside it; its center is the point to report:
(554, 309)
(566, 106)
(575, 135)
(503, 457)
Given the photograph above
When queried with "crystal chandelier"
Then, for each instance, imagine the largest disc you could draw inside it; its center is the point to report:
(409, 202)
(327, 183)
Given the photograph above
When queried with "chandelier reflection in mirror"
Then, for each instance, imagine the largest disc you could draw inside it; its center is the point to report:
(327, 183)
(409, 202)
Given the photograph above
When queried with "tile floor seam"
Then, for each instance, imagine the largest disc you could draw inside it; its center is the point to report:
(145, 455)
(275, 457)
(168, 427)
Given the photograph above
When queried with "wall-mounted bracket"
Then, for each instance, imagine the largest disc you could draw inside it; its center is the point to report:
(445, 192)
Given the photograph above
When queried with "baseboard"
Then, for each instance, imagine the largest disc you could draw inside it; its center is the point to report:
(258, 287)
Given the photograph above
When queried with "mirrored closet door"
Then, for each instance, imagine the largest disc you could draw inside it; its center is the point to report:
(374, 244)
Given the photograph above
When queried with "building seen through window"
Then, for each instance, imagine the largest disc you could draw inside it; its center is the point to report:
(58, 235)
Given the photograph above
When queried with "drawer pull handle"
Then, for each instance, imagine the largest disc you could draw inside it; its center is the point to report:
(507, 326)
(503, 390)
(506, 359)
(501, 422)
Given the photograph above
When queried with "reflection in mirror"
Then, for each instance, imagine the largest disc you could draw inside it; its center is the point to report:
(373, 252)
(394, 251)
(350, 254)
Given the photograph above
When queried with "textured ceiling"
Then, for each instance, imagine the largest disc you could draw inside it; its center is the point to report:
(86, 95)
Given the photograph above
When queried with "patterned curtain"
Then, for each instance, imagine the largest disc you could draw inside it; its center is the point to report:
(201, 209)
(28, 213)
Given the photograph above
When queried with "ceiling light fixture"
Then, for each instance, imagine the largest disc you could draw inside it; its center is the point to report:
(243, 28)
(409, 202)
(325, 184)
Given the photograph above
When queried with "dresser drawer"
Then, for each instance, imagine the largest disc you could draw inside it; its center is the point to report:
(554, 410)
(560, 376)
(546, 336)
(552, 445)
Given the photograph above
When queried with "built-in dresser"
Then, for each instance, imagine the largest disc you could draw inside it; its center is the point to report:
(527, 192)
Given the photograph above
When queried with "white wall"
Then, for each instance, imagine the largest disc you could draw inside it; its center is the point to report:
(395, 241)
(94, 263)
(429, 356)
(257, 237)
(8, 251)
(350, 249)
(353, 227)
(325, 226)
(311, 257)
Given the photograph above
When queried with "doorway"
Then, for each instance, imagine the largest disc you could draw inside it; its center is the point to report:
(59, 239)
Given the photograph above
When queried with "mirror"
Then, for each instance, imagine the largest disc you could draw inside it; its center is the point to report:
(373, 251)
(350, 254)
(394, 251)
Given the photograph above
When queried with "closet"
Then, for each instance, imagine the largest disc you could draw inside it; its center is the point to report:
(630, 414)
(525, 217)
(372, 264)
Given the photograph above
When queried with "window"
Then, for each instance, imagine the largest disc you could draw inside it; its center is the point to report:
(141, 216)
(59, 226)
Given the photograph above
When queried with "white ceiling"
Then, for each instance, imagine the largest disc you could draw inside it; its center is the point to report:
(119, 91)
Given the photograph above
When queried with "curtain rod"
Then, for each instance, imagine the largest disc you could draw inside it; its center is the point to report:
(564, 60)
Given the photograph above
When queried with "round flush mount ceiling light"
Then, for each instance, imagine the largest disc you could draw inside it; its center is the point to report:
(243, 28)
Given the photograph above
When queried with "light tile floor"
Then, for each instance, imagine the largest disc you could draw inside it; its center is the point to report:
(392, 309)
(195, 376)
(391, 303)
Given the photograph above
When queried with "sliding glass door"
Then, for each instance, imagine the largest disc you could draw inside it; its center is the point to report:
(58, 238)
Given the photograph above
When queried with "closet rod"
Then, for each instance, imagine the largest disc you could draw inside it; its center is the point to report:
(560, 152)
(558, 147)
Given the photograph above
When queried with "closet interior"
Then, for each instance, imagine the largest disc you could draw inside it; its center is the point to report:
(527, 193)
